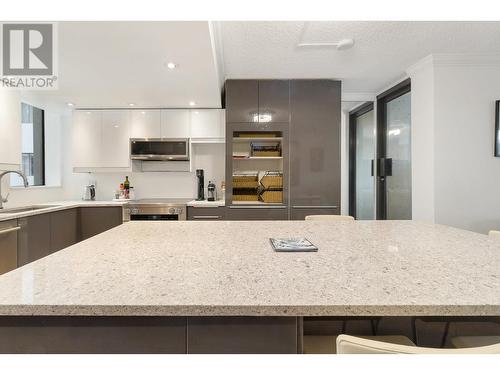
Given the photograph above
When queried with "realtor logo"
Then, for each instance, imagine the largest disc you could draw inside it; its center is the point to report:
(28, 56)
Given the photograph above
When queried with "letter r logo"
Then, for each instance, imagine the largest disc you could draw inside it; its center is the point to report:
(27, 49)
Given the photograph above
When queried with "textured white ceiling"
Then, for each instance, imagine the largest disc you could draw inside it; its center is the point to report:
(111, 64)
(382, 50)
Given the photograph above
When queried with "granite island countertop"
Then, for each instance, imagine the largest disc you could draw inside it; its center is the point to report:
(362, 268)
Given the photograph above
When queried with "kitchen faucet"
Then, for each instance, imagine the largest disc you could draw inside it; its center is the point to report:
(4, 200)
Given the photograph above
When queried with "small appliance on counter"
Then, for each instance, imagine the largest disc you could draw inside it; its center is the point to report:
(201, 185)
(212, 192)
(89, 193)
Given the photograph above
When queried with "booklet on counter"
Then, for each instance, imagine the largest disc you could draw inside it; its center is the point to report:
(292, 244)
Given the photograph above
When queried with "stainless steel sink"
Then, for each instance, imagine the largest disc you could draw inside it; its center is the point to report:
(8, 211)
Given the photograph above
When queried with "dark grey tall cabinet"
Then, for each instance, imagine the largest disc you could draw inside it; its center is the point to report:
(306, 113)
(314, 148)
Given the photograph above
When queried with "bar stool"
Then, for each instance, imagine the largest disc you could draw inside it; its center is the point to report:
(357, 345)
(329, 218)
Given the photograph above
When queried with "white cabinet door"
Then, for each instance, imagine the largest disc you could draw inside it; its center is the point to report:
(115, 152)
(10, 129)
(87, 139)
(208, 124)
(175, 123)
(145, 124)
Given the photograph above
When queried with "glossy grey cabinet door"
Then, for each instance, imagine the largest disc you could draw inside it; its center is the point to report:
(33, 238)
(314, 144)
(95, 220)
(242, 100)
(257, 213)
(64, 229)
(242, 335)
(205, 213)
(274, 101)
(8, 245)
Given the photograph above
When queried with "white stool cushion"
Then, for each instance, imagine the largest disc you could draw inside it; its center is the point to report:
(474, 341)
(328, 344)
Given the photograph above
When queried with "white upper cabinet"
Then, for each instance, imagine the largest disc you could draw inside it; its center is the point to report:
(10, 129)
(175, 123)
(115, 152)
(87, 136)
(207, 125)
(145, 123)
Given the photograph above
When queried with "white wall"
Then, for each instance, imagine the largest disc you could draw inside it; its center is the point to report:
(422, 139)
(467, 174)
(460, 120)
(21, 196)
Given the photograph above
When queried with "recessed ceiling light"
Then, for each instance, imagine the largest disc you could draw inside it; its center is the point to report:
(192, 104)
(171, 65)
(196, 112)
(143, 112)
(131, 104)
(70, 104)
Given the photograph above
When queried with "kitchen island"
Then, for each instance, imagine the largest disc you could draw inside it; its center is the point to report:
(203, 287)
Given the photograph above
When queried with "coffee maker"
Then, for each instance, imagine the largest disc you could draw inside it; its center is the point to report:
(201, 185)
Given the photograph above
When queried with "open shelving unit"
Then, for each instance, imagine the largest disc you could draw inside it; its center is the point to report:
(253, 153)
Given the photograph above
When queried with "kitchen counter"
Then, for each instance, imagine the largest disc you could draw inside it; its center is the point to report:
(362, 268)
(57, 206)
(205, 203)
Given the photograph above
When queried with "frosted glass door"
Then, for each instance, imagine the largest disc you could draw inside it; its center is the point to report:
(398, 148)
(365, 153)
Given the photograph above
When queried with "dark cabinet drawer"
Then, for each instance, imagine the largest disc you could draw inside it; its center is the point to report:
(256, 213)
(205, 213)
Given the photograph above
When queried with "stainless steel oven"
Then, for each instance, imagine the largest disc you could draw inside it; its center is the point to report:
(159, 149)
(155, 210)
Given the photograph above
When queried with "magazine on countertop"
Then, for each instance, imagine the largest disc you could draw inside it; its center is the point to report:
(292, 244)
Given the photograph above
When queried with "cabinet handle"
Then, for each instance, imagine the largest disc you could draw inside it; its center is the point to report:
(315, 207)
(260, 207)
(10, 230)
(206, 217)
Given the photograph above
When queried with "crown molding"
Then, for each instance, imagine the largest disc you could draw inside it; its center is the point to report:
(455, 59)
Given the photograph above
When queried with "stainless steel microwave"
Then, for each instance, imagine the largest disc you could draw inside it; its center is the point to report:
(159, 149)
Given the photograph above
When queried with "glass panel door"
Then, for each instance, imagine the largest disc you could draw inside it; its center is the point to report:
(398, 138)
(362, 152)
(394, 153)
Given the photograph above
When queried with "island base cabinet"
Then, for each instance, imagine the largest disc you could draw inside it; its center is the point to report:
(242, 335)
(92, 335)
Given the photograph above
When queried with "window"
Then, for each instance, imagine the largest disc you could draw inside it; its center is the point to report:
(32, 146)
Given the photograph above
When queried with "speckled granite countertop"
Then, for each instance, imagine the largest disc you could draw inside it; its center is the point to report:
(56, 206)
(228, 268)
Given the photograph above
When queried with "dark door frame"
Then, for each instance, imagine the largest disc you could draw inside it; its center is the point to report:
(353, 116)
(382, 100)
